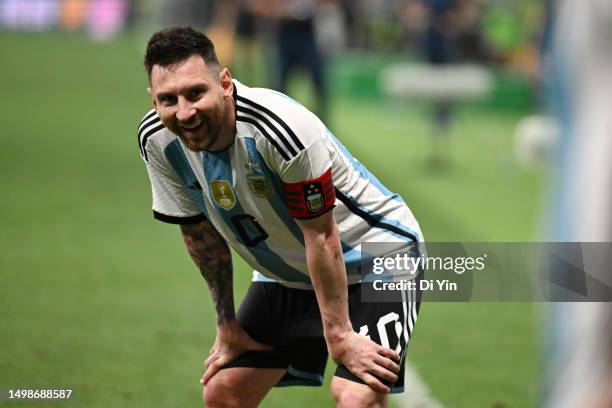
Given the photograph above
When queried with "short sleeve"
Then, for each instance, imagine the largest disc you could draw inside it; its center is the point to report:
(307, 178)
(172, 202)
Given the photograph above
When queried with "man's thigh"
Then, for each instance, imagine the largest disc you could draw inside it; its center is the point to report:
(288, 320)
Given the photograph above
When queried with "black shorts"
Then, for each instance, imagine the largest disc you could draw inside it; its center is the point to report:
(289, 320)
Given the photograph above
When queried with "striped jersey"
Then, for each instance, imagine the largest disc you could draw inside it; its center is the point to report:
(284, 164)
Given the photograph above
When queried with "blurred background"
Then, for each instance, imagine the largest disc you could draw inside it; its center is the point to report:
(454, 104)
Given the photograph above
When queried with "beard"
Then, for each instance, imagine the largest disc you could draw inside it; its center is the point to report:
(203, 139)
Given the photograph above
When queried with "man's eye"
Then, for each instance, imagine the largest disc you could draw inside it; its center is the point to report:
(195, 93)
(168, 100)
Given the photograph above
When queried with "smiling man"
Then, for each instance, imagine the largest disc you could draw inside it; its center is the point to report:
(252, 168)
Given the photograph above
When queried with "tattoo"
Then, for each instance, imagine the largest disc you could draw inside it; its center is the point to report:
(211, 254)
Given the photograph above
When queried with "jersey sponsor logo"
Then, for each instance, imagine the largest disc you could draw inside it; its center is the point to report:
(223, 194)
(256, 181)
(315, 201)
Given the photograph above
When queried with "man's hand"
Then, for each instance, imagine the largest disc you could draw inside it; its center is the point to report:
(231, 342)
(366, 359)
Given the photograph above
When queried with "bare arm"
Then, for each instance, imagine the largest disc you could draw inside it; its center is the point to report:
(328, 273)
(366, 359)
(212, 256)
(210, 252)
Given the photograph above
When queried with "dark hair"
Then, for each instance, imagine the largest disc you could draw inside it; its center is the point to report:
(176, 44)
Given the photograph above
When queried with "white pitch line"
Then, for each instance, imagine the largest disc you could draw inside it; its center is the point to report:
(416, 394)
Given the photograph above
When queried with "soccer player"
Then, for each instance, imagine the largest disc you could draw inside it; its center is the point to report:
(252, 169)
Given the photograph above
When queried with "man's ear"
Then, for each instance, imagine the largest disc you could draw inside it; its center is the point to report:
(153, 101)
(225, 79)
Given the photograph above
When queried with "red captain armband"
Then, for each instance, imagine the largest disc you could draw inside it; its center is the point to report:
(311, 198)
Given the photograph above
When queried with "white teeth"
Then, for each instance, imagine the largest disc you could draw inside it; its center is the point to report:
(192, 126)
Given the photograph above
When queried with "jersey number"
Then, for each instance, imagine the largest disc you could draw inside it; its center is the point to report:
(381, 326)
(251, 233)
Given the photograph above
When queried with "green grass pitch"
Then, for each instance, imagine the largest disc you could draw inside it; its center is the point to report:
(98, 297)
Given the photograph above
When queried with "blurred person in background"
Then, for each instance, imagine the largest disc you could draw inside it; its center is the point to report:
(438, 36)
(447, 33)
(246, 32)
(579, 360)
(438, 50)
(349, 10)
(429, 26)
(297, 46)
(470, 41)
(197, 13)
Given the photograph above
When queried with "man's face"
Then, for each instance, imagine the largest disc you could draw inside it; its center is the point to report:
(192, 101)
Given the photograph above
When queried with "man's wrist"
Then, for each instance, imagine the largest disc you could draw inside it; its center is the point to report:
(228, 328)
(337, 334)
(336, 343)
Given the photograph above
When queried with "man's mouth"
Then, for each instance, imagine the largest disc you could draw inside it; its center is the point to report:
(190, 127)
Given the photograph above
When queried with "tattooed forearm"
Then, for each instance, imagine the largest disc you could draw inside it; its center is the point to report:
(212, 256)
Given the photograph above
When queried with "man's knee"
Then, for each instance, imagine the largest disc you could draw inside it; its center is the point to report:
(224, 390)
(240, 387)
(349, 394)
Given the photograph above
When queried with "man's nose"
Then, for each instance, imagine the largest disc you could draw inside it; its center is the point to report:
(185, 111)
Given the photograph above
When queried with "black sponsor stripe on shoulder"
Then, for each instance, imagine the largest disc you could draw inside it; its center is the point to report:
(148, 124)
(144, 128)
(140, 128)
(266, 121)
(149, 116)
(266, 135)
(369, 219)
(145, 138)
(147, 120)
(274, 116)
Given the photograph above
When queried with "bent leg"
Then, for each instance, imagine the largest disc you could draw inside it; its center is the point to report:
(350, 394)
(240, 386)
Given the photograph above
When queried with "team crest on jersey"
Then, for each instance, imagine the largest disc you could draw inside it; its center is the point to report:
(314, 197)
(252, 165)
(256, 180)
(259, 185)
(223, 194)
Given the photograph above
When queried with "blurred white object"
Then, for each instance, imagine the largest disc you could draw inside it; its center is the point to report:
(330, 29)
(450, 82)
(579, 371)
(535, 140)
